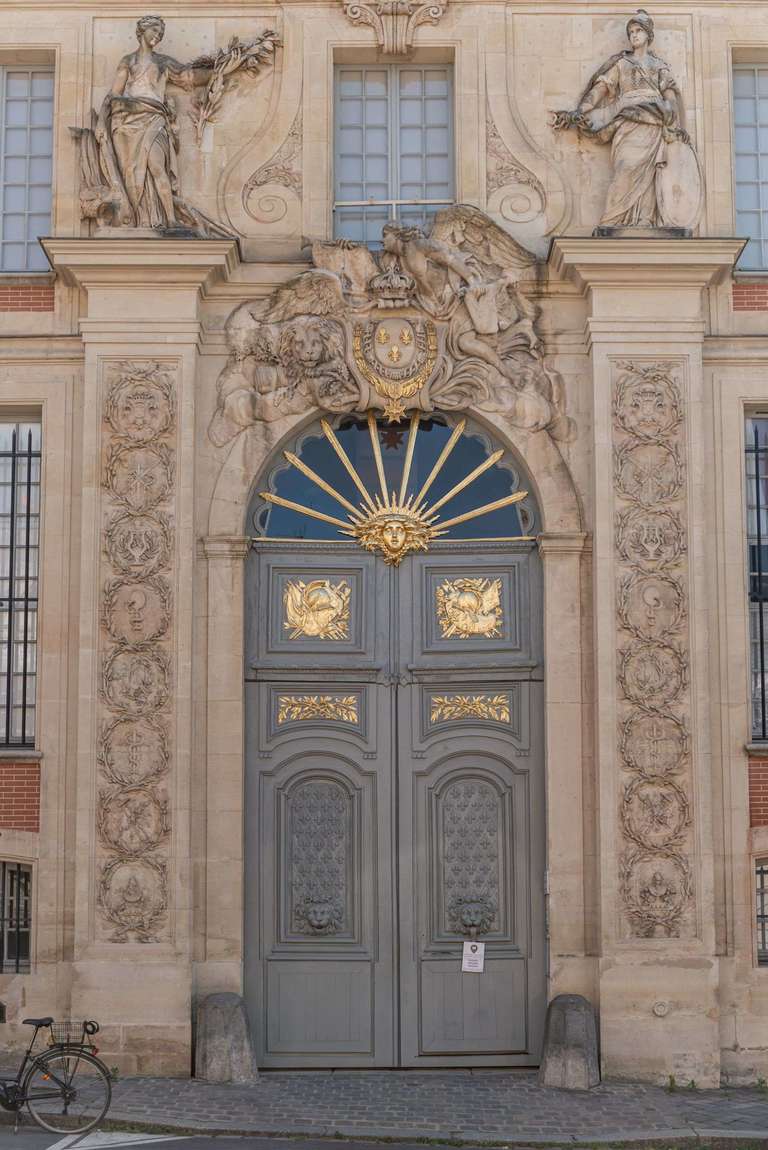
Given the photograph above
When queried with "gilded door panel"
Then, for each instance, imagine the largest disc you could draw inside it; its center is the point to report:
(471, 609)
(315, 610)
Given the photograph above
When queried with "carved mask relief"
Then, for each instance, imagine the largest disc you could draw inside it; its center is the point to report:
(653, 657)
(133, 818)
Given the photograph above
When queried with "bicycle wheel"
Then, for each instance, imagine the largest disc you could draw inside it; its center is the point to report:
(68, 1091)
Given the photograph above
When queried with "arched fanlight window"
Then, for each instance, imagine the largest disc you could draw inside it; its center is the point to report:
(394, 488)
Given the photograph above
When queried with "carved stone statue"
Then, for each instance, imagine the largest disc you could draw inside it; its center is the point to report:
(435, 320)
(633, 103)
(129, 155)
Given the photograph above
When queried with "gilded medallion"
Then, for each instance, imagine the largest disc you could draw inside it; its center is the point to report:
(317, 610)
(468, 608)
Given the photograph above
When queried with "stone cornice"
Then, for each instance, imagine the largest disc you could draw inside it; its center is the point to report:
(564, 542)
(135, 262)
(589, 261)
(226, 546)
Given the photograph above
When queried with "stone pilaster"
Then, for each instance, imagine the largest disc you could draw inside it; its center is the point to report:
(658, 966)
(133, 873)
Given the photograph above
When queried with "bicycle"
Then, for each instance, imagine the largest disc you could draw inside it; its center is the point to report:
(66, 1088)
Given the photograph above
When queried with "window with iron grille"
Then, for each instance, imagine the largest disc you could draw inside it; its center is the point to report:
(26, 166)
(761, 905)
(15, 917)
(19, 560)
(393, 148)
(757, 544)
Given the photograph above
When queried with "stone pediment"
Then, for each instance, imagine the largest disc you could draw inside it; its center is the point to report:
(434, 320)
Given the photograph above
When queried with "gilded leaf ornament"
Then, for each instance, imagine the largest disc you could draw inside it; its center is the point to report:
(306, 708)
(494, 708)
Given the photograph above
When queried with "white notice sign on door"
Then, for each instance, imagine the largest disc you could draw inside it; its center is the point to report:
(473, 958)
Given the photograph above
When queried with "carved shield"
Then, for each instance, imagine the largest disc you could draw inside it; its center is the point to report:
(679, 187)
(396, 355)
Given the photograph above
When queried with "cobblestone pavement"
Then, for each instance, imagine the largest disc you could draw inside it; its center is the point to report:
(484, 1105)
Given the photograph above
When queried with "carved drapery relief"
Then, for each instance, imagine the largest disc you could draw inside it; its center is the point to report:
(137, 619)
(656, 878)
(282, 170)
(430, 321)
(319, 838)
(394, 22)
(522, 197)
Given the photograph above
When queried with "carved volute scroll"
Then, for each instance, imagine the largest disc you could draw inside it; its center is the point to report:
(133, 819)
(654, 651)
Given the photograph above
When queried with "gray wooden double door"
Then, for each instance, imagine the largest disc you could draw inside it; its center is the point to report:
(394, 807)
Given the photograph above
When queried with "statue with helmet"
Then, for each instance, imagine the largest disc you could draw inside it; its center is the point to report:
(633, 102)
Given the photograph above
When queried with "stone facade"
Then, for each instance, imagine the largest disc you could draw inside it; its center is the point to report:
(637, 353)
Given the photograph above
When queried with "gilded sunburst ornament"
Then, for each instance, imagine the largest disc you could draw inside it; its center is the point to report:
(394, 523)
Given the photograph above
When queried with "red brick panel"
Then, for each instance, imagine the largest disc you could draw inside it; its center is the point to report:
(750, 297)
(20, 796)
(26, 297)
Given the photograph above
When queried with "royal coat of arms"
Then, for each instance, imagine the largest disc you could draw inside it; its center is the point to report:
(396, 357)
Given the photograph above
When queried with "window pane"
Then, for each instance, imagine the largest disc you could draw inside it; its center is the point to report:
(19, 530)
(761, 907)
(756, 444)
(404, 151)
(26, 146)
(15, 910)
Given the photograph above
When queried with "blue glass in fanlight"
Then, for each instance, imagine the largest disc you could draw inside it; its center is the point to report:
(315, 450)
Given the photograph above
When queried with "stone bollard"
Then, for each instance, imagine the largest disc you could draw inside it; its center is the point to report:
(223, 1049)
(570, 1058)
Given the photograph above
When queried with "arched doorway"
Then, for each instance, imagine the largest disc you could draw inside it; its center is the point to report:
(394, 751)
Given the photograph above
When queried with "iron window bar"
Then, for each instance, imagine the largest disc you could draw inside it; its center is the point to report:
(373, 203)
(761, 877)
(18, 603)
(15, 917)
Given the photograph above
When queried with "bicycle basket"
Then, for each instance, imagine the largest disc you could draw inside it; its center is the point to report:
(70, 1033)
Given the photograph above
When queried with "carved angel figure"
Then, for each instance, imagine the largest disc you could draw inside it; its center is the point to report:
(633, 102)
